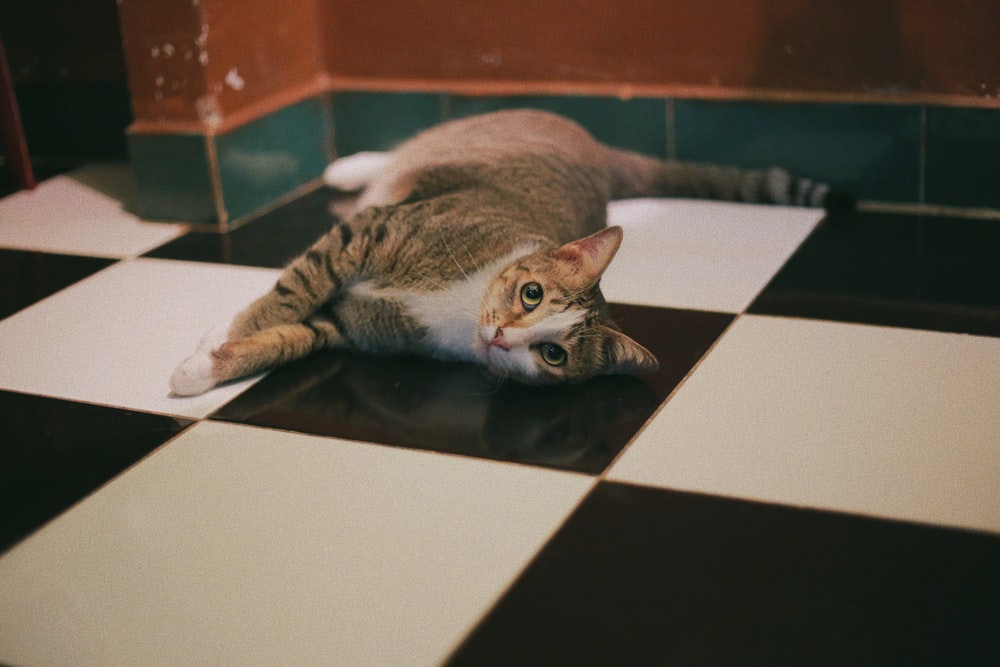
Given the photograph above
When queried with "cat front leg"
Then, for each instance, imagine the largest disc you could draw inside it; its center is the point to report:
(307, 283)
(235, 359)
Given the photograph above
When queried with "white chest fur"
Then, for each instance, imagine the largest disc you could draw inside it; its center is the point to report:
(451, 314)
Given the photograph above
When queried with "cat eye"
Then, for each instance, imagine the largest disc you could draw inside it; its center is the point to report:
(553, 355)
(531, 295)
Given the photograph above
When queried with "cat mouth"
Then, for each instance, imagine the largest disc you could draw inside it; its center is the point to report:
(491, 348)
(486, 350)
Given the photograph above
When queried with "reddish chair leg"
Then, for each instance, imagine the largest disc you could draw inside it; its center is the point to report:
(14, 143)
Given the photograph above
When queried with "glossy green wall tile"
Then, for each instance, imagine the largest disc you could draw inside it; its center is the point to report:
(273, 156)
(963, 156)
(638, 124)
(257, 164)
(379, 121)
(870, 150)
(172, 176)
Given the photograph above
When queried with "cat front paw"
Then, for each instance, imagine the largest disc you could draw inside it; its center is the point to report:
(215, 337)
(193, 376)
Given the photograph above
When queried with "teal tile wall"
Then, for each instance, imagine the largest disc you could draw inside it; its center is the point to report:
(172, 177)
(379, 121)
(907, 154)
(870, 150)
(273, 156)
(257, 163)
(963, 157)
(637, 124)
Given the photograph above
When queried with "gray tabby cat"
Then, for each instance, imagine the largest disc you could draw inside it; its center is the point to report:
(482, 240)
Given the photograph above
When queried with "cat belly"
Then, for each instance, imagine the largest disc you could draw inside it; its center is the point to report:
(447, 316)
(440, 324)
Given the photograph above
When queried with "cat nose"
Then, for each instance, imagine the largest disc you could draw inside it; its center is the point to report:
(499, 340)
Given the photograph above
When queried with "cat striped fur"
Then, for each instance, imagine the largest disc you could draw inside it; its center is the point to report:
(480, 240)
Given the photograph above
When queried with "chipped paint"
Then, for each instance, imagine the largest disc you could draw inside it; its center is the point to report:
(234, 80)
(200, 41)
(208, 110)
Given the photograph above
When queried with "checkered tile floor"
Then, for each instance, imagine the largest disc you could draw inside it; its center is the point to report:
(813, 477)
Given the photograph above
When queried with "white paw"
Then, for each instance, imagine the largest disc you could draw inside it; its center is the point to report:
(215, 337)
(194, 375)
(354, 172)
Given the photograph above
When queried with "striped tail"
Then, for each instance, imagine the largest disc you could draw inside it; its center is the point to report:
(636, 175)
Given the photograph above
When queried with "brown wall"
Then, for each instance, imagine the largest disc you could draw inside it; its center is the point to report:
(900, 49)
(212, 63)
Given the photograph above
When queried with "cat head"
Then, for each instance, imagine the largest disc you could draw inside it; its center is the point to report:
(544, 319)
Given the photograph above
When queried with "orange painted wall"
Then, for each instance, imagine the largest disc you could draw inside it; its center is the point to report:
(213, 63)
(720, 48)
(210, 63)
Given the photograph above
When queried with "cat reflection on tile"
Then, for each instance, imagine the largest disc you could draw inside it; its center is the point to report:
(450, 407)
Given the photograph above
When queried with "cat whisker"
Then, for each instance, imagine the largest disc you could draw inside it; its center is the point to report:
(471, 256)
(497, 383)
(455, 259)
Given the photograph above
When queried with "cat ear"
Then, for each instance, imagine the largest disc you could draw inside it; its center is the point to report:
(625, 356)
(593, 253)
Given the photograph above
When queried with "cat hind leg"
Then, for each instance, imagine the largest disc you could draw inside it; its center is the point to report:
(355, 172)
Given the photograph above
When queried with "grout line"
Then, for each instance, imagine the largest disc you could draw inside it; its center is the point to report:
(215, 178)
(922, 160)
(671, 120)
(603, 475)
(540, 548)
(936, 210)
(444, 107)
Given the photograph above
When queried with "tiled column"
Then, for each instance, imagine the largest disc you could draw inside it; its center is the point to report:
(230, 113)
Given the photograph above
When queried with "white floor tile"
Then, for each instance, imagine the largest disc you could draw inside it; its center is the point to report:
(115, 337)
(701, 255)
(889, 422)
(236, 545)
(81, 213)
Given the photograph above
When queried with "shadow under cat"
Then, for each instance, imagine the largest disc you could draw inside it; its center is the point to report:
(457, 408)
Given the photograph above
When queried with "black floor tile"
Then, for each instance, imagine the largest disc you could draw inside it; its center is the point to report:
(271, 240)
(55, 452)
(27, 277)
(425, 404)
(642, 576)
(920, 272)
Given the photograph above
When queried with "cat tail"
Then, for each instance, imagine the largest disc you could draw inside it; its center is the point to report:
(636, 175)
